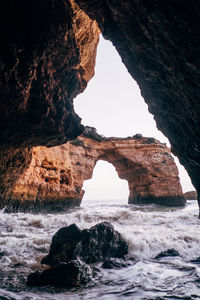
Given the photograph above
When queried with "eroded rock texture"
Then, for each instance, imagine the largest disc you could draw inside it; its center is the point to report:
(73, 273)
(90, 245)
(46, 59)
(47, 56)
(55, 175)
(159, 44)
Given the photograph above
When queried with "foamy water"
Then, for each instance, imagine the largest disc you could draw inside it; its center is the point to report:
(25, 239)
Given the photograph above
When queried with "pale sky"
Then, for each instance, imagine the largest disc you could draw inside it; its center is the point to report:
(112, 103)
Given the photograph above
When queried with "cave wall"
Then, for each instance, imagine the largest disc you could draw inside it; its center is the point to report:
(54, 179)
(159, 43)
(47, 56)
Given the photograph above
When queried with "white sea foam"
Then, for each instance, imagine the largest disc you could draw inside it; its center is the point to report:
(25, 239)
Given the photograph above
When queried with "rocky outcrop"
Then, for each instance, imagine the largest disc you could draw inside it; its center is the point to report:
(159, 43)
(70, 244)
(73, 273)
(47, 56)
(191, 195)
(91, 245)
(166, 253)
(55, 176)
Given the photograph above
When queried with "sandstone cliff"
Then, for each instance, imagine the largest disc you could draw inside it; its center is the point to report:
(55, 175)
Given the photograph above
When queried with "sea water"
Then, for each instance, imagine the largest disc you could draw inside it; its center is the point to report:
(25, 238)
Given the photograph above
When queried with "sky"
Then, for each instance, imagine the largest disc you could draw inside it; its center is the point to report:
(112, 103)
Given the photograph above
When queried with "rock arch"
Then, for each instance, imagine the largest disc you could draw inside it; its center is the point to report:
(55, 176)
(48, 57)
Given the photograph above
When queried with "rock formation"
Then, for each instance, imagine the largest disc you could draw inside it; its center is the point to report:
(55, 176)
(70, 245)
(91, 245)
(191, 195)
(159, 43)
(73, 273)
(46, 59)
(47, 56)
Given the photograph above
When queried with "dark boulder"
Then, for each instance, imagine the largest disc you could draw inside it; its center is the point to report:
(168, 252)
(196, 260)
(73, 273)
(90, 245)
(115, 263)
(63, 245)
(99, 242)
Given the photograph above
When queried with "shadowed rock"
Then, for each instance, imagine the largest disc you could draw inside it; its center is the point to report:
(90, 245)
(73, 273)
(63, 245)
(196, 260)
(168, 252)
(115, 263)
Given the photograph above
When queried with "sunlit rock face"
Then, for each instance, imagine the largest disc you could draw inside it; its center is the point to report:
(47, 56)
(159, 44)
(55, 176)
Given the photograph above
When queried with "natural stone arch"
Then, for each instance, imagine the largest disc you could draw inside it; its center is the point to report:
(55, 177)
(148, 169)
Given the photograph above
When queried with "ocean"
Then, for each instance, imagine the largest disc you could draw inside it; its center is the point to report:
(25, 238)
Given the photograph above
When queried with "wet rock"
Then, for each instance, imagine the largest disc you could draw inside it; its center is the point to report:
(46, 60)
(99, 242)
(115, 263)
(73, 273)
(168, 252)
(91, 245)
(196, 260)
(63, 245)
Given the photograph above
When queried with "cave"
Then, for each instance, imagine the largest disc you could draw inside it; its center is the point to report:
(48, 56)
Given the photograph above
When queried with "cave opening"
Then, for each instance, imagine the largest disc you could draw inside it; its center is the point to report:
(105, 185)
(112, 103)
